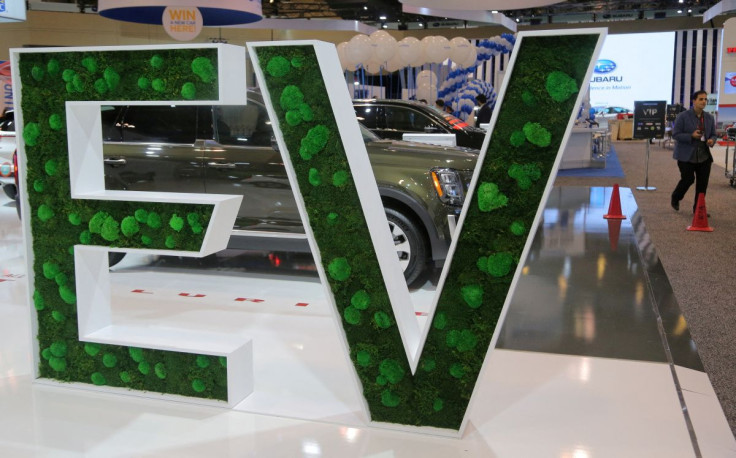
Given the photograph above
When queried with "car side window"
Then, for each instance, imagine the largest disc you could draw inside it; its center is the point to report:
(367, 115)
(112, 129)
(243, 125)
(160, 124)
(408, 120)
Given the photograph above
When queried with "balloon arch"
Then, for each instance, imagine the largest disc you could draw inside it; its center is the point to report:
(380, 54)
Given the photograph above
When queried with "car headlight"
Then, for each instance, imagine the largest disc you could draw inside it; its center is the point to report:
(449, 186)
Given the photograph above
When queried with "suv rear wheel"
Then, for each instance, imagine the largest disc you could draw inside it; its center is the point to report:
(410, 243)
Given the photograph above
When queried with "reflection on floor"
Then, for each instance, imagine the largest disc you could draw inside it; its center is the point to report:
(590, 361)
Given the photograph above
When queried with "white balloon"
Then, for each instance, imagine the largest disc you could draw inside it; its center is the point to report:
(373, 67)
(437, 49)
(359, 49)
(410, 51)
(394, 63)
(342, 56)
(426, 77)
(460, 48)
(427, 92)
(470, 59)
(384, 45)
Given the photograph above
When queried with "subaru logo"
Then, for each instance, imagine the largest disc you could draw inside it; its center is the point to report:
(604, 66)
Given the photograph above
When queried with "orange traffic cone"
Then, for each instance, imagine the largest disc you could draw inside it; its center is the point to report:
(614, 207)
(700, 219)
(614, 230)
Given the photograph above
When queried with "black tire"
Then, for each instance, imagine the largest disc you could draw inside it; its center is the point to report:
(114, 257)
(411, 245)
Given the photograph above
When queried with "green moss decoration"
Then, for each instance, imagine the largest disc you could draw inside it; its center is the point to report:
(222, 360)
(101, 86)
(518, 228)
(67, 75)
(490, 198)
(332, 218)
(85, 238)
(110, 229)
(112, 78)
(31, 132)
(125, 377)
(136, 354)
(390, 399)
(56, 122)
(517, 138)
(59, 349)
(525, 174)
(339, 269)
(98, 379)
(293, 118)
(38, 185)
(203, 68)
(188, 91)
(46, 354)
(57, 364)
(45, 213)
(529, 99)
(467, 340)
(70, 88)
(438, 405)
(457, 370)
(472, 295)
(197, 229)
(361, 300)
(428, 365)
(381, 380)
(53, 67)
(51, 167)
(141, 216)
(79, 83)
(382, 320)
(74, 219)
(291, 98)
(452, 338)
(92, 349)
(90, 63)
(109, 360)
(537, 135)
(278, 67)
(61, 279)
(363, 358)
(67, 295)
(193, 219)
(499, 264)
(314, 142)
(351, 315)
(38, 302)
(58, 316)
(306, 112)
(160, 370)
(203, 361)
(340, 178)
(297, 61)
(146, 240)
(440, 320)
(144, 83)
(171, 242)
(560, 86)
(37, 72)
(157, 61)
(153, 220)
(392, 370)
(129, 226)
(176, 222)
(315, 178)
(158, 85)
(144, 367)
(198, 386)
(50, 270)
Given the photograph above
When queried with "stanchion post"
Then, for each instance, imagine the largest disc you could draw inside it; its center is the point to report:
(646, 186)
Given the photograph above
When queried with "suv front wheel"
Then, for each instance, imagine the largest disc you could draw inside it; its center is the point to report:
(411, 246)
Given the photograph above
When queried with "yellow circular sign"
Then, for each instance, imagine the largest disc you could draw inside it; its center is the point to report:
(182, 23)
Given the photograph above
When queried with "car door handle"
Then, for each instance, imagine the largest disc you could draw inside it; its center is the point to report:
(119, 162)
(221, 165)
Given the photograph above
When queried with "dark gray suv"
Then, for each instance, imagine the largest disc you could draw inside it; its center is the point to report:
(232, 150)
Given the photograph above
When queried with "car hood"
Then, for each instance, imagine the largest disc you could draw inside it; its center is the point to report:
(434, 155)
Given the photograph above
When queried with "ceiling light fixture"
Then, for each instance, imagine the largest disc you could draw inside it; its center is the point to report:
(382, 17)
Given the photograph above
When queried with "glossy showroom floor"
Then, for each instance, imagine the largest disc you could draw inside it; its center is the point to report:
(590, 362)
